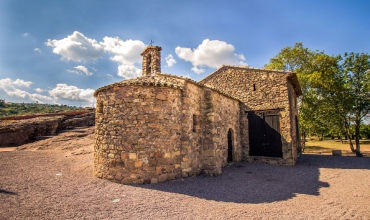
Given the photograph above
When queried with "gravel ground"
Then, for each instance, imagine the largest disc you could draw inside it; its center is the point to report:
(52, 179)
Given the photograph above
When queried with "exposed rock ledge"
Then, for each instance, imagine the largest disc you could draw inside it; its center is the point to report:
(18, 132)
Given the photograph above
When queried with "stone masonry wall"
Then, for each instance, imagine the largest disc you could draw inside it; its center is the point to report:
(151, 60)
(221, 114)
(191, 140)
(138, 131)
(258, 90)
(294, 117)
(150, 134)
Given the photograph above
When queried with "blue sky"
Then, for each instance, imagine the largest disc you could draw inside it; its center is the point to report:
(61, 51)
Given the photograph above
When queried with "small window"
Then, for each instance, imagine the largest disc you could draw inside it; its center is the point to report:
(254, 87)
(99, 108)
(149, 64)
(195, 122)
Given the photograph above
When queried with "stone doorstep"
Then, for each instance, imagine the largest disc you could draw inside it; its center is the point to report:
(336, 153)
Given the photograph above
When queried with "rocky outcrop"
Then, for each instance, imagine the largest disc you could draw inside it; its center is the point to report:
(18, 132)
(78, 121)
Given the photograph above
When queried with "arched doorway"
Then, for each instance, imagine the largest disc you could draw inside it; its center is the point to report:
(230, 146)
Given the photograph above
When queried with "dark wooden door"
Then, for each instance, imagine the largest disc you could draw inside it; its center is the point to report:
(229, 146)
(264, 134)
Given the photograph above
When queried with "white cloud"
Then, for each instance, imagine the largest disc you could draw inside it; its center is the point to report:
(72, 93)
(77, 47)
(37, 50)
(170, 60)
(126, 53)
(109, 75)
(211, 53)
(20, 83)
(128, 71)
(39, 90)
(80, 70)
(8, 86)
(74, 71)
(197, 70)
(60, 92)
(25, 34)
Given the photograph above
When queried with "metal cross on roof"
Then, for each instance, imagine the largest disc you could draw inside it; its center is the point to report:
(151, 43)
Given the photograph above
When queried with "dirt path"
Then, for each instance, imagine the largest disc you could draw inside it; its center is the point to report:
(52, 179)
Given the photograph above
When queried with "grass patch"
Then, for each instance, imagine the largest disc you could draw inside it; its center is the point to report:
(326, 147)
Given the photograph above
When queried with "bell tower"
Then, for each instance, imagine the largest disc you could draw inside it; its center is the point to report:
(151, 60)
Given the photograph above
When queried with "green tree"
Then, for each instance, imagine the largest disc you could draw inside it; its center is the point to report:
(356, 68)
(304, 62)
(365, 131)
(336, 90)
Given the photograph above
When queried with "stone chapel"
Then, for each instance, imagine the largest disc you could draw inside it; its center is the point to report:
(159, 127)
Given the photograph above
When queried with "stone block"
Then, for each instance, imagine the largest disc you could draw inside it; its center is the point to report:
(158, 169)
(118, 176)
(171, 176)
(336, 152)
(145, 160)
(126, 181)
(154, 180)
(161, 96)
(132, 156)
(152, 162)
(209, 153)
(186, 100)
(175, 126)
(163, 178)
(152, 125)
(209, 167)
(176, 153)
(187, 170)
(138, 164)
(184, 165)
(152, 117)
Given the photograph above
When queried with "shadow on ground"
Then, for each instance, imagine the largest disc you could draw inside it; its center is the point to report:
(7, 192)
(259, 183)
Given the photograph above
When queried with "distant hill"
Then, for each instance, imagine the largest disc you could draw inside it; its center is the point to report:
(14, 109)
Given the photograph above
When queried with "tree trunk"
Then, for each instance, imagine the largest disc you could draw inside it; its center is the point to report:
(348, 134)
(357, 139)
(303, 141)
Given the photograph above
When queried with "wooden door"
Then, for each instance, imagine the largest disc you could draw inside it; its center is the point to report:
(229, 146)
(264, 134)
